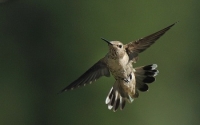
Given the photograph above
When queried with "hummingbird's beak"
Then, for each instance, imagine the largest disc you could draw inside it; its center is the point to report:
(106, 41)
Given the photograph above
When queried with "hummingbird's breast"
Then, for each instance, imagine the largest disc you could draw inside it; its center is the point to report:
(123, 72)
(120, 67)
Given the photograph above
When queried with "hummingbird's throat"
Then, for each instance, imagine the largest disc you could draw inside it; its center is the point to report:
(113, 53)
(118, 54)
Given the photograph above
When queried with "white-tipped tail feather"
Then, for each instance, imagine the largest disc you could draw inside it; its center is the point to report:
(115, 100)
(145, 75)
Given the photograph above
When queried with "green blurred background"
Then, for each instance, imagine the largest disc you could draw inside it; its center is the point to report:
(45, 45)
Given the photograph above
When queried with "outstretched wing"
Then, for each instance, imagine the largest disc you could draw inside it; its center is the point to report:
(96, 71)
(138, 46)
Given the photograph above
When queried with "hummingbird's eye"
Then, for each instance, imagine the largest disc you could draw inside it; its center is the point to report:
(120, 46)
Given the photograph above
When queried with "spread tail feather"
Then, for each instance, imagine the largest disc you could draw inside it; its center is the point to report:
(115, 100)
(117, 97)
(145, 75)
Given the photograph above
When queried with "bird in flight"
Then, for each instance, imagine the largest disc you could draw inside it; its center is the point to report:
(118, 61)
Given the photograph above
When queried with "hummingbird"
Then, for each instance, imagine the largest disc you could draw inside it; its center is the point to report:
(119, 62)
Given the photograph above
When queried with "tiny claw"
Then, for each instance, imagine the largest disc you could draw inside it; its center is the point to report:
(126, 80)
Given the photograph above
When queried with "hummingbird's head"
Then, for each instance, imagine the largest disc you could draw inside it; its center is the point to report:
(116, 48)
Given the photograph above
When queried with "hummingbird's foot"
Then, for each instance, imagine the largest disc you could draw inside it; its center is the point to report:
(128, 79)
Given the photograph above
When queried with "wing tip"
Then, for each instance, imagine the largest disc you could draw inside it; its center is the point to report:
(172, 24)
(66, 89)
(62, 91)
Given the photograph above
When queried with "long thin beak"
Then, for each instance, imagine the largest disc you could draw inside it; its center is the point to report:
(106, 41)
